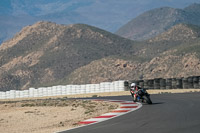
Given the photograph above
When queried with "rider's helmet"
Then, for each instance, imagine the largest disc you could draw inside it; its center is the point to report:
(133, 85)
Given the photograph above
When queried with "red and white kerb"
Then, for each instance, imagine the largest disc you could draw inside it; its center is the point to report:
(125, 107)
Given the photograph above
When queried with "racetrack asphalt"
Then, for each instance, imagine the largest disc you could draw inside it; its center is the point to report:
(169, 113)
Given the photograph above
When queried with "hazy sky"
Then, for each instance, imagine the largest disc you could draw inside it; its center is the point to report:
(109, 15)
(93, 12)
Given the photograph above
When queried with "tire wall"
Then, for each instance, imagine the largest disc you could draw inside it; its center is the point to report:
(192, 82)
(59, 90)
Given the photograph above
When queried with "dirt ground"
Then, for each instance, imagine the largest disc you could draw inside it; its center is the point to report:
(46, 116)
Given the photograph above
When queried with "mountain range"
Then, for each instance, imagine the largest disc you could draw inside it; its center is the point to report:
(108, 15)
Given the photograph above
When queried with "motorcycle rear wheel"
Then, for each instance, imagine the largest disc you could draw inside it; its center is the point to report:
(147, 99)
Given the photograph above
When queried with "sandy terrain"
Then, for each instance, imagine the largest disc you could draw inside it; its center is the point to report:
(46, 116)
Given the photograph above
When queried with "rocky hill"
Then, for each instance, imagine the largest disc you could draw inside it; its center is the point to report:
(156, 21)
(178, 35)
(174, 53)
(44, 53)
(111, 69)
(179, 32)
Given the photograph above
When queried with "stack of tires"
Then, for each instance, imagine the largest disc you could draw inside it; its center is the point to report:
(162, 84)
(179, 84)
(196, 82)
(157, 83)
(185, 83)
(169, 83)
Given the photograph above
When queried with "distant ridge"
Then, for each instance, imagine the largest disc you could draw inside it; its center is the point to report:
(156, 21)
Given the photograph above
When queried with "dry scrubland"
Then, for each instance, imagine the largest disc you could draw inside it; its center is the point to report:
(48, 115)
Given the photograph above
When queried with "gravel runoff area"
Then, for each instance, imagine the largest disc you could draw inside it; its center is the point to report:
(48, 115)
(53, 114)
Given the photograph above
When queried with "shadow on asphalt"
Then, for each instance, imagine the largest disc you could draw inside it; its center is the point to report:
(155, 103)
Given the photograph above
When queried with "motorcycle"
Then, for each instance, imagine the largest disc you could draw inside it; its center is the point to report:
(142, 96)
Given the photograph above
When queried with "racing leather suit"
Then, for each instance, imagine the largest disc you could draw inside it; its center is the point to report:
(134, 92)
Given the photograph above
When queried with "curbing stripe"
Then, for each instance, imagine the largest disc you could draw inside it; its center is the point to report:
(105, 116)
(120, 111)
(110, 114)
(129, 107)
(96, 119)
(125, 107)
(87, 122)
(128, 103)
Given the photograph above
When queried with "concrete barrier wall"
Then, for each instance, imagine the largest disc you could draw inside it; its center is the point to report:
(192, 82)
(64, 90)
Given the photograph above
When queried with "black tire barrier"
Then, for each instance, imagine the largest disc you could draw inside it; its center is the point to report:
(196, 82)
(162, 84)
(169, 83)
(151, 84)
(126, 85)
(190, 83)
(137, 82)
(157, 83)
(146, 84)
(199, 82)
(179, 84)
(174, 83)
(185, 83)
(141, 83)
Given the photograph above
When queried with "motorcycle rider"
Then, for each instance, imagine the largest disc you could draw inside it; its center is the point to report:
(134, 91)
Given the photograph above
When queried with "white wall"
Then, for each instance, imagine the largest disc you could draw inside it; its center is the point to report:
(65, 90)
